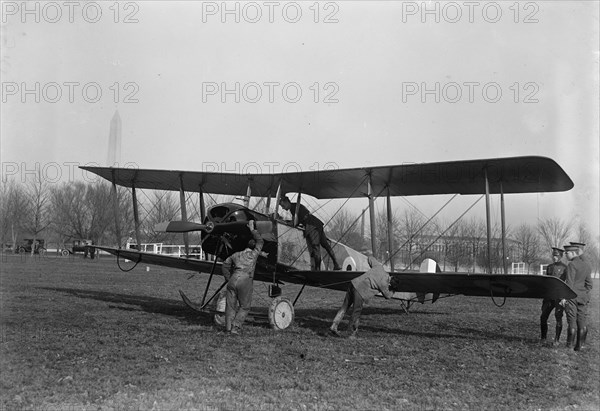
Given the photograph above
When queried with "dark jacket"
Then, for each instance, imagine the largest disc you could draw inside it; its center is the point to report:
(558, 270)
(579, 278)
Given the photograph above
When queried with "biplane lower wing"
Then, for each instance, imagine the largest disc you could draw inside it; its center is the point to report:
(478, 285)
(191, 264)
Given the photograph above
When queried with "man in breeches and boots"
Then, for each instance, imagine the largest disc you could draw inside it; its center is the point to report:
(559, 270)
(313, 233)
(362, 289)
(580, 280)
(239, 283)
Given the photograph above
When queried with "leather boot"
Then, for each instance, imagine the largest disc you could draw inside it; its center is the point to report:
(570, 337)
(557, 336)
(544, 327)
(578, 340)
(581, 334)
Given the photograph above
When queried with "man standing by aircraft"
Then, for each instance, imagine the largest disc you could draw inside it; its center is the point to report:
(313, 233)
(580, 249)
(580, 280)
(556, 269)
(239, 283)
(362, 289)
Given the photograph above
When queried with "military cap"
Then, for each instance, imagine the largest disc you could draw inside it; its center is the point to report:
(579, 245)
(557, 251)
(571, 247)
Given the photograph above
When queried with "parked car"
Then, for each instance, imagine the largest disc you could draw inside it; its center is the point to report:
(80, 246)
(29, 243)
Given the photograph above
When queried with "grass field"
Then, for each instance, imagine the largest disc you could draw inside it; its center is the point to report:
(80, 334)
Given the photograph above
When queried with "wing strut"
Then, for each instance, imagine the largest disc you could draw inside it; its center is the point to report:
(116, 208)
(370, 195)
(202, 206)
(390, 231)
(503, 222)
(299, 292)
(488, 220)
(212, 271)
(186, 240)
(136, 217)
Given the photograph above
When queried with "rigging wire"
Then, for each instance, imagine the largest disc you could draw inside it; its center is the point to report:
(421, 228)
(444, 232)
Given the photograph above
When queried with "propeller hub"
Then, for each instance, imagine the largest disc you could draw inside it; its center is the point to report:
(210, 226)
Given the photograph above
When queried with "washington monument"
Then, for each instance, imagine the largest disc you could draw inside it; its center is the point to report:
(113, 158)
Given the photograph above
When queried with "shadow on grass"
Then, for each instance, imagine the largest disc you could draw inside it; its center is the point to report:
(320, 320)
(152, 305)
(315, 319)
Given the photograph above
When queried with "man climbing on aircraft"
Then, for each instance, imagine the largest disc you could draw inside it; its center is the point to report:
(313, 233)
(239, 283)
(362, 289)
(559, 270)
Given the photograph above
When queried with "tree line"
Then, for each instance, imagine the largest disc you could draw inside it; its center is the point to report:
(63, 212)
(461, 245)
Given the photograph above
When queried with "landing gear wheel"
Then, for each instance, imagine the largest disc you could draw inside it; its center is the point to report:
(65, 253)
(281, 313)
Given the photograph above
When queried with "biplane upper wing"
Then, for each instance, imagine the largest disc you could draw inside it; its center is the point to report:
(508, 175)
(516, 286)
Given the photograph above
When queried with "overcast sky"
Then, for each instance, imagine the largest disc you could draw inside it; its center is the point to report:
(307, 85)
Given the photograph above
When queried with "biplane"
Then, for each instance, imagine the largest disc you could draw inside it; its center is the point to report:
(286, 261)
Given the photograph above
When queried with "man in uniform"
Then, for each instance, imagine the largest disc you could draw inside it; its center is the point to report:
(239, 283)
(580, 249)
(313, 233)
(580, 280)
(559, 270)
(362, 289)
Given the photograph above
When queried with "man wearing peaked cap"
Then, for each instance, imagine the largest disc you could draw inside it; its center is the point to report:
(580, 249)
(559, 270)
(579, 278)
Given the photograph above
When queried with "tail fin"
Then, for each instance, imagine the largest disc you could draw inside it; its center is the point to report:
(429, 266)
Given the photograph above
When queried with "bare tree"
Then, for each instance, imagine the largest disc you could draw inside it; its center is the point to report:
(13, 202)
(529, 244)
(410, 235)
(581, 233)
(344, 228)
(162, 207)
(82, 210)
(474, 232)
(553, 231)
(455, 246)
(36, 217)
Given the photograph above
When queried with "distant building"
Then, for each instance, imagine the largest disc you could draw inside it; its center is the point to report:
(456, 253)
